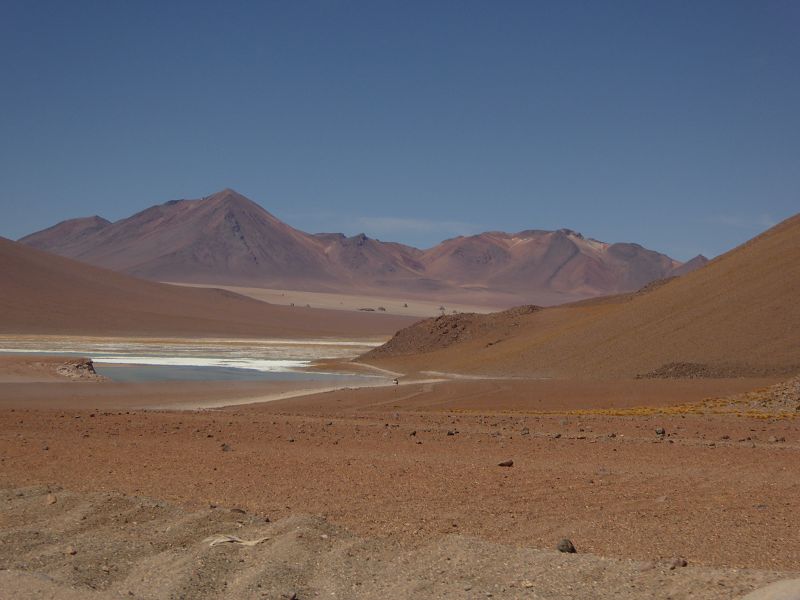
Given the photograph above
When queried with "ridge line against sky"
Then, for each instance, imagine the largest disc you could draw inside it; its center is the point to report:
(673, 125)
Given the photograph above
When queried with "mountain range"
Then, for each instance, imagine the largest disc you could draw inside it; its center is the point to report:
(737, 316)
(227, 239)
(52, 295)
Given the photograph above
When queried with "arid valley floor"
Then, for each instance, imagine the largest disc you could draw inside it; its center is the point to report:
(657, 430)
(396, 491)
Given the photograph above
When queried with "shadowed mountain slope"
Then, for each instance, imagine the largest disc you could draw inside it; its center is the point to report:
(46, 294)
(739, 315)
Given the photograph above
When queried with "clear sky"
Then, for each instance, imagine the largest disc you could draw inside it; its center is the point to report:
(673, 124)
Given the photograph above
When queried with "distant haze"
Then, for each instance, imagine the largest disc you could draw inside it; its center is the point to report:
(672, 124)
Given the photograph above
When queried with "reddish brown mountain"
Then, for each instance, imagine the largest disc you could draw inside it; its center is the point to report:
(68, 235)
(224, 238)
(561, 262)
(737, 316)
(227, 239)
(690, 265)
(47, 294)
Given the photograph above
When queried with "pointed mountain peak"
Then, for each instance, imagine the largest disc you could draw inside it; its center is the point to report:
(231, 199)
(228, 195)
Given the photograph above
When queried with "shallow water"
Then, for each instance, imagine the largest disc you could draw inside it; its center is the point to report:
(146, 373)
(198, 360)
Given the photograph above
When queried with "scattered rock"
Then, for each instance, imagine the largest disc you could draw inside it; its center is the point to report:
(451, 432)
(556, 436)
(661, 431)
(225, 447)
(413, 433)
(51, 499)
(677, 563)
(506, 463)
(70, 550)
(567, 546)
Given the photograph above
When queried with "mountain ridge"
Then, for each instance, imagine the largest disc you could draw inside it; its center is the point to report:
(47, 294)
(737, 316)
(227, 239)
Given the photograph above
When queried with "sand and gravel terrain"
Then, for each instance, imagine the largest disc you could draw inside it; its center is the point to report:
(397, 492)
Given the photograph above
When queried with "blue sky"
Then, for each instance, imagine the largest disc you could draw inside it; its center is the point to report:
(673, 124)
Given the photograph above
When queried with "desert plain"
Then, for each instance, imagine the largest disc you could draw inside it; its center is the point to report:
(654, 432)
(395, 491)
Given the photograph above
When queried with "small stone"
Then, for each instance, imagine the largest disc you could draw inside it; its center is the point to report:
(661, 431)
(451, 432)
(413, 433)
(556, 436)
(612, 435)
(51, 499)
(506, 463)
(527, 584)
(567, 546)
(70, 550)
(225, 447)
(677, 563)
(45, 447)
(240, 511)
